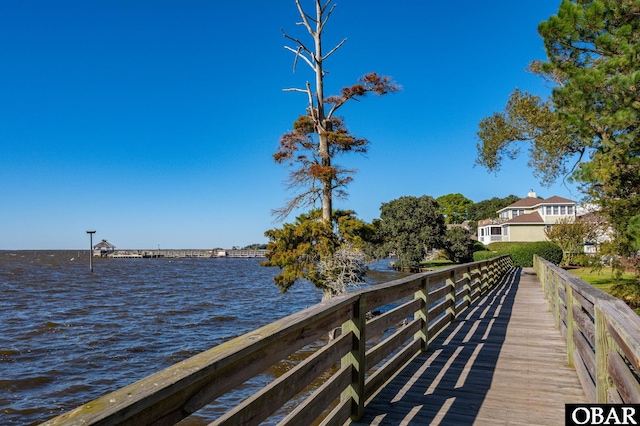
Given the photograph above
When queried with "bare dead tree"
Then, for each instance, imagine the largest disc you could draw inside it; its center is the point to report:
(345, 268)
(319, 135)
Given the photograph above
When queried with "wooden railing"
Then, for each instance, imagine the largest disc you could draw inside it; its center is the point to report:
(602, 334)
(358, 361)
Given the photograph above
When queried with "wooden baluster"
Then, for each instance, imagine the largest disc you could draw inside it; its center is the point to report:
(484, 278)
(423, 313)
(451, 295)
(467, 285)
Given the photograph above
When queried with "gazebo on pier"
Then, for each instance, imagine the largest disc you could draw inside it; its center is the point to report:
(103, 248)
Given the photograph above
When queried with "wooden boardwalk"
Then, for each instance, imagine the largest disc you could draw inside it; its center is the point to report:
(502, 362)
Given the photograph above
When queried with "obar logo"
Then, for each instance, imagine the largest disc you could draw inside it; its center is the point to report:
(602, 414)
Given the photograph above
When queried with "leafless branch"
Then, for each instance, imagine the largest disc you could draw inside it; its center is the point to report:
(313, 112)
(294, 89)
(298, 54)
(307, 198)
(296, 41)
(328, 14)
(334, 108)
(345, 268)
(305, 18)
(334, 49)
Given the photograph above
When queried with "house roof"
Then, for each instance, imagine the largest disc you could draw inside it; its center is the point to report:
(524, 202)
(531, 218)
(104, 244)
(533, 202)
(558, 200)
(492, 221)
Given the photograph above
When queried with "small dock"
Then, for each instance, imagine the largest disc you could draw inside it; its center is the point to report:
(181, 254)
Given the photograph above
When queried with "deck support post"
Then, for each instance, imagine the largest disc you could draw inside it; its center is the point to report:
(356, 358)
(423, 314)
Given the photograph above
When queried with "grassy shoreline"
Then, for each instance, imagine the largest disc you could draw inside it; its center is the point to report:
(626, 286)
(603, 279)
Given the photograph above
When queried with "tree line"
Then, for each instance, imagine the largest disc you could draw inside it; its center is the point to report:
(586, 131)
(334, 257)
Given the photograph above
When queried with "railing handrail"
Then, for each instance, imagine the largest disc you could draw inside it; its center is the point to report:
(432, 299)
(602, 335)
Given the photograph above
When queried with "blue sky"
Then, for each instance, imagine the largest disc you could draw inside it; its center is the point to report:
(154, 122)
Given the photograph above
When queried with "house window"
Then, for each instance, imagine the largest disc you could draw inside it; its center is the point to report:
(569, 209)
(555, 210)
(496, 231)
(482, 232)
(563, 210)
(506, 231)
(548, 210)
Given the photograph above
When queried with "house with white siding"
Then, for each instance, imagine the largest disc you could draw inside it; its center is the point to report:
(526, 219)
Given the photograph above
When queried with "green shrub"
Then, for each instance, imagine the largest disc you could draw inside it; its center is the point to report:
(522, 253)
(478, 246)
(504, 246)
(580, 260)
(484, 255)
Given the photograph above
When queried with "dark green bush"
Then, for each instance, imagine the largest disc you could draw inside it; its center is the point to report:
(478, 246)
(522, 253)
(504, 246)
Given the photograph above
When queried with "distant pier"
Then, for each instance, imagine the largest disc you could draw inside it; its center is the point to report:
(179, 254)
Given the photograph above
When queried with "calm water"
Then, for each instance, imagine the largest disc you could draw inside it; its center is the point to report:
(69, 336)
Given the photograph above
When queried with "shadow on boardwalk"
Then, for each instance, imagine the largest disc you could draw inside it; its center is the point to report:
(450, 382)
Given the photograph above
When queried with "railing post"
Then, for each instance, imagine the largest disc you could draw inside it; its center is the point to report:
(467, 285)
(491, 275)
(451, 294)
(423, 313)
(547, 284)
(549, 292)
(500, 265)
(571, 345)
(556, 300)
(604, 343)
(356, 358)
(484, 278)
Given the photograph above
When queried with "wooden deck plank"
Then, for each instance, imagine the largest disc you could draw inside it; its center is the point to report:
(506, 364)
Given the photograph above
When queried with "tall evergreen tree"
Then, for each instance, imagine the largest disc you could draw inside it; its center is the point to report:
(590, 126)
